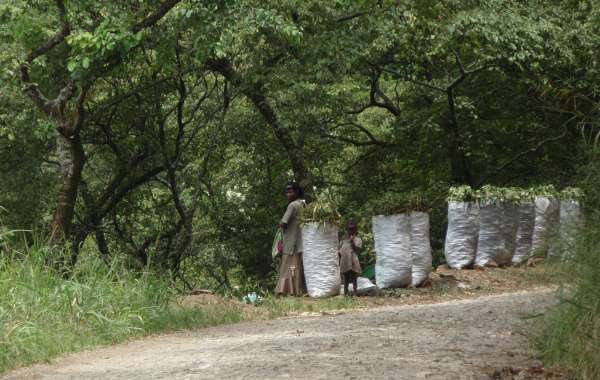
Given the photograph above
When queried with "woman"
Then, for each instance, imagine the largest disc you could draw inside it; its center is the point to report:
(291, 272)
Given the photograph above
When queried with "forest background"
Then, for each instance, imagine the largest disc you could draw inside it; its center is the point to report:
(162, 133)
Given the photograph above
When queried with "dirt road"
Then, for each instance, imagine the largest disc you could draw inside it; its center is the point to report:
(464, 339)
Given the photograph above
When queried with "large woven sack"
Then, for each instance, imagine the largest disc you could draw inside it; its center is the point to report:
(524, 232)
(320, 259)
(509, 227)
(547, 216)
(461, 237)
(393, 264)
(420, 247)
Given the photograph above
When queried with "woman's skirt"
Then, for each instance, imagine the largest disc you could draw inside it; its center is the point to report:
(291, 275)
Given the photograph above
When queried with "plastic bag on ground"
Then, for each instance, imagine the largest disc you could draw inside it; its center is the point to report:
(392, 247)
(462, 234)
(509, 226)
(365, 287)
(420, 247)
(491, 242)
(524, 232)
(547, 215)
(320, 259)
(571, 221)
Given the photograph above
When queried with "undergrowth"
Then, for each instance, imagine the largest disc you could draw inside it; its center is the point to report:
(44, 313)
(570, 333)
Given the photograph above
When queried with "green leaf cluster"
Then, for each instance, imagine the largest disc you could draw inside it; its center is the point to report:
(323, 209)
(572, 193)
(462, 193)
(545, 191)
(392, 203)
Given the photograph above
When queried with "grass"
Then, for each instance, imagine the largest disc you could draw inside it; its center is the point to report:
(280, 307)
(44, 314)
(569, 335)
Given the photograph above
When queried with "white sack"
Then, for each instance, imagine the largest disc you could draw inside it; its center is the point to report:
(365, 286)
(320, 259)
(524, 232)
(392, 247)
(491, 243)
(462, 234)
(547, 214)
(509, 226)
(571, 222)
(420, 247)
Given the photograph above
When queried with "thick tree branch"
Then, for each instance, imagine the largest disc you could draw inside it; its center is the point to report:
(352, 16)
(255, 93)
(154, 17)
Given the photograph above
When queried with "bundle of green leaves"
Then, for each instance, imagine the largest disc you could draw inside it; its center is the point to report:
(526, 195)
(496, 195)
(545, 191)
(572, 193)
(462, 193)
(323, 209)
(392, 203)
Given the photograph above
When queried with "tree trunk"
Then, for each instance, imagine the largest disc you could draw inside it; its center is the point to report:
(459, 169)
(255, 93)
(71, 158)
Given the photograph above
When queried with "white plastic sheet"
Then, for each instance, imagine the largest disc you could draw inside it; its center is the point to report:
(571, 221)
(420, 247)
(320, 259)
(365, 286)
(491, 243)
(547, 214)
(392, 246)
(524, 232)
(462, 234)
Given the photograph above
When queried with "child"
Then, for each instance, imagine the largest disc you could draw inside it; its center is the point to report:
(350, 245)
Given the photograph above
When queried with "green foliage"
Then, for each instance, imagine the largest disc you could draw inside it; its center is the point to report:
(323, 209)
(96, 305)
(572, 193)
(361, 98)
(569, 334)
(496, 195)
(390, 203)
(545, 191)
(462, 193)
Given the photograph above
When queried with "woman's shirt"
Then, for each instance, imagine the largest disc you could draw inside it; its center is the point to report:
(292, 234)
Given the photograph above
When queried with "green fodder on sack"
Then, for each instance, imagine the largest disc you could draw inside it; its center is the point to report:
(462, 193)
(392, 203)
(572, 193)
(324, 209)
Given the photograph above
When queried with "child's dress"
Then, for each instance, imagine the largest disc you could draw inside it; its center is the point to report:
(348, 256)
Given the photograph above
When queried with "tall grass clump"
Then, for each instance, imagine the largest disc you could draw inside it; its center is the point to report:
(45, 313)
(570, 335)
